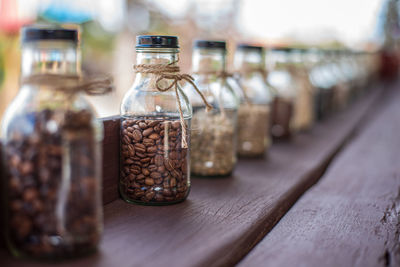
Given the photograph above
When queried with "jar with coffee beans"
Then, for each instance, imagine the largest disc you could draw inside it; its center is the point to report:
(214, 133)
(52, 150)
(155, 127)
(254, 115)
(280, 77)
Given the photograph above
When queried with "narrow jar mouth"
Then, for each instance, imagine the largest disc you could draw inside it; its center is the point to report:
(156, 41)
(157, 50)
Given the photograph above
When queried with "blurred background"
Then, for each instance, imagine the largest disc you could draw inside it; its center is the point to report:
(109, 27)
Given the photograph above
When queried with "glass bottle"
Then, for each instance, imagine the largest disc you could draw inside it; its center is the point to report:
(254, 116)
(154, 160)
(52, 147)
(214, 134)
(279, 76)
(303, 117)
(323, 81)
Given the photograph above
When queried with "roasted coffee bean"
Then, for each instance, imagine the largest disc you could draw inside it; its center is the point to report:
(35, 185)
(137, 135)
(147, 131)
(153, 159)
(140, 148)
(158, 160)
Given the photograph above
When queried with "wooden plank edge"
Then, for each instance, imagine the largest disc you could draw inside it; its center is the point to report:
(252, 238)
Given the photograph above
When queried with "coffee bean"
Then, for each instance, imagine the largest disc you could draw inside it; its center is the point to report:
(36, 177)
(137, 135)
(148, 164)
(155, 175)
(149, 181)
(152, 149)
(147, 131)
(154, 136)
(142, 125)
(158, 160)
(145, 172)
(140, 148)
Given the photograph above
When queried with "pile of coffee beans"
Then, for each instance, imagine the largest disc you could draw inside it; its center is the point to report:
(254, 123)
(53, 196)
(154, 165)
(213, 144)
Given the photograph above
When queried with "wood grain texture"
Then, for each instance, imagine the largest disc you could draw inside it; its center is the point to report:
(111, 158)
(352, 216)
(222, 218)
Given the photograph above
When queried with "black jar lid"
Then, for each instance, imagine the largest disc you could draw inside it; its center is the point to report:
(210, 44)
(286, 49)
(38, 33)
(156, 41)
(250, 47)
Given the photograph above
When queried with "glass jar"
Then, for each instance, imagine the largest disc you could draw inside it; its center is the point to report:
(52, 150)
(323, 81)
(254, 116)
(214, 134)
(279, 76)
(341, 87)
(303, 117)
(154, 158)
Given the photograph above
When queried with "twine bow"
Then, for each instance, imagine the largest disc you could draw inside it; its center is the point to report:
(91, 86)
(171, 72)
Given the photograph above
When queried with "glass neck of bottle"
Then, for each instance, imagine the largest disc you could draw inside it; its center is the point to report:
(153, 56)
(207, 61)
(248, 59)
(276, 60)
(50, 57)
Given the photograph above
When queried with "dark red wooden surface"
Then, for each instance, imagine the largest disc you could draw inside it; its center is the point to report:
(222, 219)
(352, 216)
(111, 158)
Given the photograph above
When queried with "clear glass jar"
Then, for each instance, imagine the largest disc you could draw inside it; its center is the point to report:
(214, 134)
(323, 81)
(341, 85)
(52, 150)
(154, 162)
(279, 76)
(254, 116)
(303, 117)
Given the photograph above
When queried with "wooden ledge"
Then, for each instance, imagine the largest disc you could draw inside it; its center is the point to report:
(351, 217)
(222, 219)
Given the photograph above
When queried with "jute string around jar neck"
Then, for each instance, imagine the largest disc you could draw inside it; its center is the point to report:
(224, 75)
(171, 72)
(72, 84)
(247, 69)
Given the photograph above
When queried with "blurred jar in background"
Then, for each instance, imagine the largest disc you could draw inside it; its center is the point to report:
(52, 145)
(254, 115)
(323, 81)
(214, 133)
(342, 81)
(279, 76)
(303, 117)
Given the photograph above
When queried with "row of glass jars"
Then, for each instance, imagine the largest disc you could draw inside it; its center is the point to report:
(52, 141)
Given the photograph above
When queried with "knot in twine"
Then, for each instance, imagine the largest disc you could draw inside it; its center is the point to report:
(171, 72)
(225, 75)
(99, 85)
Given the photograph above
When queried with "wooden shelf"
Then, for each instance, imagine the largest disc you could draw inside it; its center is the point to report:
(351, 217)
(223, 219)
